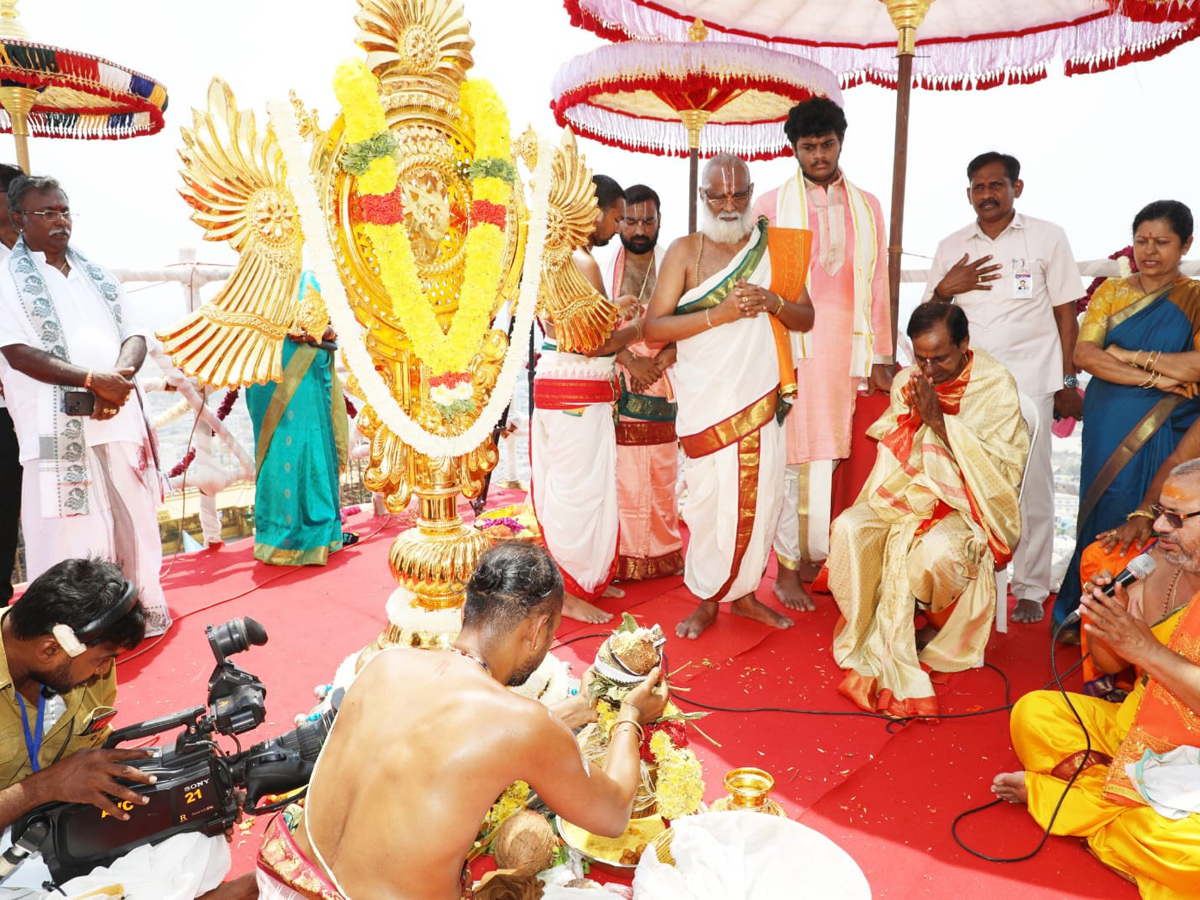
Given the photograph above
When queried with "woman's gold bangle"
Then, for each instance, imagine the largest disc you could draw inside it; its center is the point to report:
(779, 308)
(706, 317)
(1140, 514)
(1134, 361)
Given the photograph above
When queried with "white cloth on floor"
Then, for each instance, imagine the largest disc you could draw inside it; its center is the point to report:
(1169, 782)
(182, 867)
(749, 856)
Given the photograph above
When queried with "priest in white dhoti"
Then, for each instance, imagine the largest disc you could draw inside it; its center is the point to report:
(728, 296)
(572, 441)
(90, 484)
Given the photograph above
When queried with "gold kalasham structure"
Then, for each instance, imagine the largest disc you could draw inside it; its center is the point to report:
(236, 182)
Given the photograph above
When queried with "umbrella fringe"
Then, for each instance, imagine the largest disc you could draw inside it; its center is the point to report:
(84, 126)
(758, 141)
(1091, 43)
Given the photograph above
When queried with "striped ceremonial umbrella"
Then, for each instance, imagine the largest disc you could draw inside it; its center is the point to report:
(959, 44)
(679, 98)
(50, 92)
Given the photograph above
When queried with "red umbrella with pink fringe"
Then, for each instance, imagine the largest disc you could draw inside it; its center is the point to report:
(687, 98)
(957, 44)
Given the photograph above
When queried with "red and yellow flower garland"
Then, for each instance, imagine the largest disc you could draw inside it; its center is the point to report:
(379, 203)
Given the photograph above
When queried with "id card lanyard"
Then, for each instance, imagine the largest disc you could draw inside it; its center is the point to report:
(33, 741)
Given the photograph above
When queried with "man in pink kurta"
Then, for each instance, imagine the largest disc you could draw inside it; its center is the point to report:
(647, 449)
(849, 350)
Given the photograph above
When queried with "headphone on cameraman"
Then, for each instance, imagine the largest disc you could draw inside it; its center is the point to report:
(74, 643)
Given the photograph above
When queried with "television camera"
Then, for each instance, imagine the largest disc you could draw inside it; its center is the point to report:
(196, 781)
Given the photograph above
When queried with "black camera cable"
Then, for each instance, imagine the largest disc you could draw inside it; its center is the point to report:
(1083, 764)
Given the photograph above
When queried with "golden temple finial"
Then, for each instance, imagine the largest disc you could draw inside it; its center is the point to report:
(697, 31)
(907, 16)
(10, 21)
(420, 50)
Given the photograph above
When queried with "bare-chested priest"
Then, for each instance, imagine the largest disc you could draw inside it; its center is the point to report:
(426, 740)
(727, 296)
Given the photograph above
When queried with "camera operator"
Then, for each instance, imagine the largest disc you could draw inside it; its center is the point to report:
(425, 741)
(57, 689)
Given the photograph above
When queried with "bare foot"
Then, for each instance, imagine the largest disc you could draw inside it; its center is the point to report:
(242, 888)
(791, 592)
(750, 607)
(925, 635)
(693, 626)
(611, 591)
(1010, 786)
(1027, 611)
(581, 611)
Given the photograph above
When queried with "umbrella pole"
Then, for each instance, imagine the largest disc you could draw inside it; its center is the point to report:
(899, 177)
(693, 186)
(907, 16)
(693, 121)
(18, 101)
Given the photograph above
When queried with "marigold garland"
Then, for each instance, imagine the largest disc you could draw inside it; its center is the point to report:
(680, 787)
(452, 350)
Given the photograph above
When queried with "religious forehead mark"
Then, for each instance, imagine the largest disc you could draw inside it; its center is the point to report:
(1175, 491)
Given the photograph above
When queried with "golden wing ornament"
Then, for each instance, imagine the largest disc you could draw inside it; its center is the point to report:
(583, 318)
(234, 182)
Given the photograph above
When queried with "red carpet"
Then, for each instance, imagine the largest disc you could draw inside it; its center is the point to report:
(887, 799)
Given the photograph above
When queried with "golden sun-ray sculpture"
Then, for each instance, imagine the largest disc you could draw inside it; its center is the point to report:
(234, 182)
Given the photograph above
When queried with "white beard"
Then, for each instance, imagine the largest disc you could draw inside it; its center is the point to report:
(725, 231)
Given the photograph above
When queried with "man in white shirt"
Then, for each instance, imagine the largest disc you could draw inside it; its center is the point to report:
(1016, 279)
(10, 457)
(90, 483)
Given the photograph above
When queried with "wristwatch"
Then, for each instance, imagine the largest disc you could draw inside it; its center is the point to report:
(1070, 381)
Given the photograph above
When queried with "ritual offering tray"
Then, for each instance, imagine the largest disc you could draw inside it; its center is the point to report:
(620, 855)
(509, 523)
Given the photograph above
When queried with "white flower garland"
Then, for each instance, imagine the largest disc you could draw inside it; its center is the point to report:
(358, 360)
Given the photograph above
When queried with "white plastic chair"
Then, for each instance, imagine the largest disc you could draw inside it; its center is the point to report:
(1029, 412)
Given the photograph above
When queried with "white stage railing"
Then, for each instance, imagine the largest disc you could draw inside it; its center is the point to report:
(209, 477)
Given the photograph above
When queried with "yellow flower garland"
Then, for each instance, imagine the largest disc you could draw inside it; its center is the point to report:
(680, 787)
(452, 350)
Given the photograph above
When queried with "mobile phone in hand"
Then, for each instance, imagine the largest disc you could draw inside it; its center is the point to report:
(79, 403)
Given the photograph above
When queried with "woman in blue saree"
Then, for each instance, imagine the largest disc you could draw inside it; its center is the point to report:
(1140, 340)
(300, 436)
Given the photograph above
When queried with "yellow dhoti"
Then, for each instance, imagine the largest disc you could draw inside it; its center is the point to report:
(1159, 854)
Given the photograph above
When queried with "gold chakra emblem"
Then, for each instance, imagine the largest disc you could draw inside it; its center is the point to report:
(420, 49)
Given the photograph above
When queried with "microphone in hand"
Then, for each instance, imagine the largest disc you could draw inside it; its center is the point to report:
(1139, 567)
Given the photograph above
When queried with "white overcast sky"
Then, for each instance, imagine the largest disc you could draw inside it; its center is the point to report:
(1094, 148)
